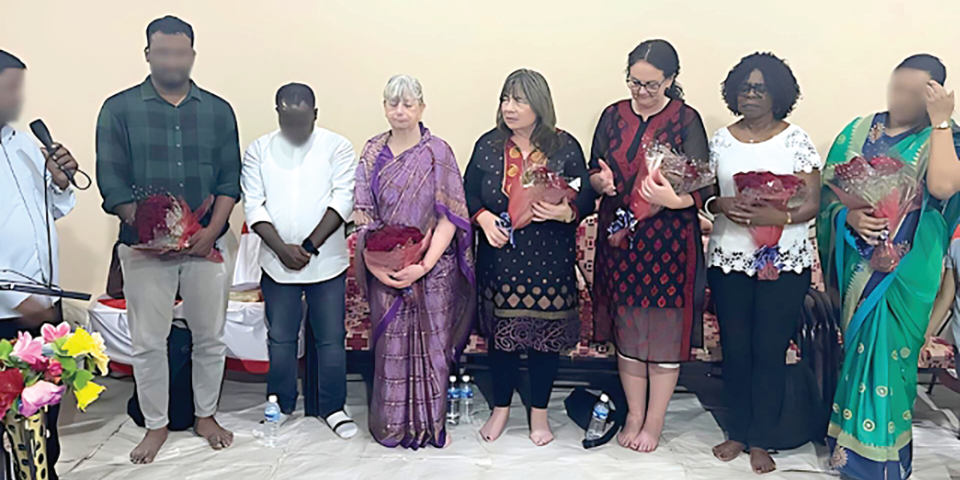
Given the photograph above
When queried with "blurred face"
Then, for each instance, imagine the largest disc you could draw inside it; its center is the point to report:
(905, 97)
(296, 122)
(170, 58)
(11, 94)
(647, 85)
(404, 113)
(753, 98)
(517, 112)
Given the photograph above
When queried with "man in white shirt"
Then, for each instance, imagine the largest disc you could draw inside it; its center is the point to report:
(26, 173)
(297, 193)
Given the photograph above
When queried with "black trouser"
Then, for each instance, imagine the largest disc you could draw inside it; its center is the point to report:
(8, 329)
(757, 321)
(505, 368)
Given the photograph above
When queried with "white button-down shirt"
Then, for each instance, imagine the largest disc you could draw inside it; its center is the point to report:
(292, 187)
(23, 231)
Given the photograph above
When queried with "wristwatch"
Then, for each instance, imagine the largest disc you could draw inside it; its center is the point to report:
(310, 247)
(944, 125)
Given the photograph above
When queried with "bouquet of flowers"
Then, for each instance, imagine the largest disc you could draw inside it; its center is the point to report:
(779, 191)
(890, 189)
(538, 184)
(395, 247)
(34, 374)
(684, 174)
(166, 223)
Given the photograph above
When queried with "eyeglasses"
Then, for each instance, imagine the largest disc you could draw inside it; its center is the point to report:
(651, 86)
(758, 88)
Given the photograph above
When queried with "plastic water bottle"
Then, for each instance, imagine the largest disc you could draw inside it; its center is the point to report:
(598, 421)
(466, 400)
(271, 421)
(453, 402)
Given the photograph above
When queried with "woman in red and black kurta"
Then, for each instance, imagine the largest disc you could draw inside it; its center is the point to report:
(526, 280)
(649, 287)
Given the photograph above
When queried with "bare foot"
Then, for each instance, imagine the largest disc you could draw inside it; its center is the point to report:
(630, 430)
(147, 449)
(540, 432)
(728, 450)
(761, 461)
(649, 437)
(217, 436)
(492, 430)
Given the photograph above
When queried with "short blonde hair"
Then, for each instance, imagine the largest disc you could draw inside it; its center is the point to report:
(401, 87)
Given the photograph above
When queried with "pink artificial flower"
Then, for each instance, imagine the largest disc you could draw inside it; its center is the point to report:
(39, 395)
(54, 370)
(28, 349)
(52, 333)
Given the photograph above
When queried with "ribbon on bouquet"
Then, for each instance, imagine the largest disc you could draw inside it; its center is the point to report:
(766, 262)
(503, 222)
(624, 223)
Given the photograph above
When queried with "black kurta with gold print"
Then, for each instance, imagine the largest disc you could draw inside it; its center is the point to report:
(528, 290)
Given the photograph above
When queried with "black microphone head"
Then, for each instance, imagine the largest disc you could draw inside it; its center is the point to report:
(40, 131)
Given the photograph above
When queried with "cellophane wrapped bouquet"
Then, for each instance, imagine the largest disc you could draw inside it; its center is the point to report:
(166, 223)
(685, 175)
(890, 189)
(782, 192)
(539, 184)
(395, 247)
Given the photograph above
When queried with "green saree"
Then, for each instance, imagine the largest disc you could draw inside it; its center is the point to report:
(884, 315)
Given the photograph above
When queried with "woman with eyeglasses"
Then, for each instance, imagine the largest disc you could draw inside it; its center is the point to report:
(649, 288)
(885, 315)
(526, 280)
(757, 317)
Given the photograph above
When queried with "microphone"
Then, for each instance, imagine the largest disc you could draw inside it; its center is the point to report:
(42, 133)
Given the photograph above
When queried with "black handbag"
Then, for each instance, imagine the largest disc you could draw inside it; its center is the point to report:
(579, 405)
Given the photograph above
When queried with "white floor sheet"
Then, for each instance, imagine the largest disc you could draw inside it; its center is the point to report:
(96, 445)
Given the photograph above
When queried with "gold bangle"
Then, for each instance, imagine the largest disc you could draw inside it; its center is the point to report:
(789, 218)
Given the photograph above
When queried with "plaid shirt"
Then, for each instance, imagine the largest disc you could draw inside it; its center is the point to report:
(145, 145)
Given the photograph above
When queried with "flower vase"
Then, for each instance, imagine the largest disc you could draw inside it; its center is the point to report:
(28, 440)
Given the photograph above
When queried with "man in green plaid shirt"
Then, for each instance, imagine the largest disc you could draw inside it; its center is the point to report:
(169, 136)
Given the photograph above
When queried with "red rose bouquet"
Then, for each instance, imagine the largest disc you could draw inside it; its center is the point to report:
(166, 223)
(778, 191)
(395, 247)
(890, 189)
(684, 174)
(537, 184)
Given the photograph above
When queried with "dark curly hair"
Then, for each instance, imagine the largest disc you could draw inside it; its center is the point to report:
(781, 84)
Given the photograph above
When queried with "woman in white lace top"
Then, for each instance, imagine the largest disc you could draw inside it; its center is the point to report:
(757, 317)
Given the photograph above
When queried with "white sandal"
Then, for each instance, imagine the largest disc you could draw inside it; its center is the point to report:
(342, 424)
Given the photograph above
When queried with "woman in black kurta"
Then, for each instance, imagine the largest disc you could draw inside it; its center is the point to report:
(526, 283)
(648, 290)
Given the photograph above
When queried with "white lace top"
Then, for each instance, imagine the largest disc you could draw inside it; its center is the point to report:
(791, 151)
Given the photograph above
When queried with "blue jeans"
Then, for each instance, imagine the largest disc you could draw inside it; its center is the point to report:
(326, 308)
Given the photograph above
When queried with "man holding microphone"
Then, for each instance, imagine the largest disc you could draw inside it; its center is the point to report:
(26, 172)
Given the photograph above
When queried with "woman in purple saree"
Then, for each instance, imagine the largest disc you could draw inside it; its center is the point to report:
(421, 315)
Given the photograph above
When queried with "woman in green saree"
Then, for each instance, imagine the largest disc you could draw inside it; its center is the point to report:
(885, 315)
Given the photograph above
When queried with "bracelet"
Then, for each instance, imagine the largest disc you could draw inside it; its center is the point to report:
(789, 218)
(706, 209)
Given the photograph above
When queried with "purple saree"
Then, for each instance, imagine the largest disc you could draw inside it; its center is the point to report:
(418, 332)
